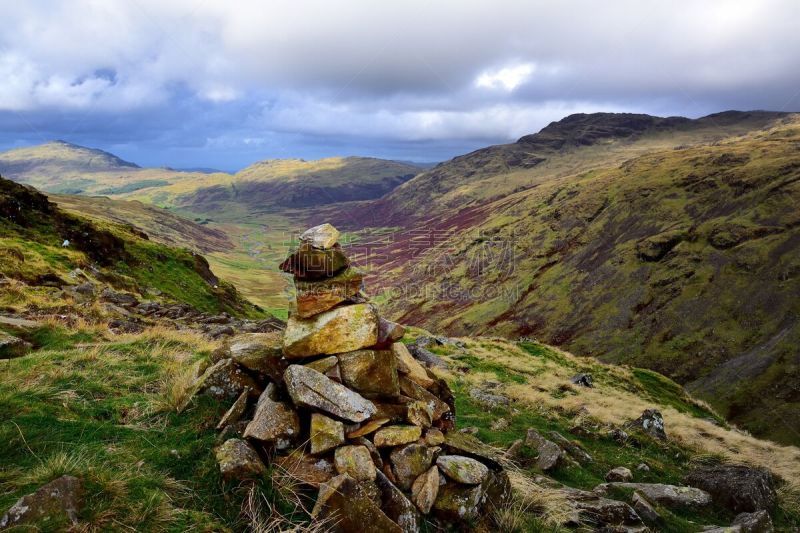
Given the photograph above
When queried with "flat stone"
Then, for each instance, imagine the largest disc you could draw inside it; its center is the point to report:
(355, 461)
(57, 503)
(309, 263)
(368, 427)
(410, 461)
(274, 422)
(323, 236)
(236, 411)
(425, 489)
(314, 297)
(11, 346)
(326, 433)
(225, 380)
(396, 436)
(372, 373)
(397, 506)
(341, 329)
(463, 469)
(323, 365)
(406, 364)
(670, 496)
(549, 453)
(260, 352)
(348, 509)
(619, 473)
(644, 509)
(738, 488)
(307, 469)
(420, 413)
(573, 449)
(309, 388)
(238, 460)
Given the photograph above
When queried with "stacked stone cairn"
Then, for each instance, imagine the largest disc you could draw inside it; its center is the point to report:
(341, 406)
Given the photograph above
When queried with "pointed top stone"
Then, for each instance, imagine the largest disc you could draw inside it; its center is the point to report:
(323, 236)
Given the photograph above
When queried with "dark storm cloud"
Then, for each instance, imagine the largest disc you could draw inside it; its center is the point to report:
(224, 83)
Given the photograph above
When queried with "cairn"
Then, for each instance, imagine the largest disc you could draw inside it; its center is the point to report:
(342, 406)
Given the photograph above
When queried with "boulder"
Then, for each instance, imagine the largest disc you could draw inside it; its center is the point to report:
(57, 503)
(388, 333)
(348, 509)
(644, 509)
(274, 422)
(595, 511)
(370, 372)
(549, 454)
(309, 388)
(314, 297)
(416, 392)
(650, 422)
(396, 436)
(459, 503)
(410, 367)
(583, 380)
(397, 506)
(669, 496)
(11, 347)
(236, 411)
(757, 522)
(425, 489)
(463, 469)
(573, 449)
(238, 460)
(410, 461)
(355, 461)
(341, 329)
(260, 352)
(739, 488)
(323, 236)
(309, 263)
(619, 473)
(326, 433)
(305, 468)
(225, 380)
(420, 413)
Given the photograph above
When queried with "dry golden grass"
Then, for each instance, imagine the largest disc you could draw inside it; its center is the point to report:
(550, 506)
(615, 403)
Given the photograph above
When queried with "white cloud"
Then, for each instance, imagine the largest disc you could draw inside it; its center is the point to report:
(508, 78)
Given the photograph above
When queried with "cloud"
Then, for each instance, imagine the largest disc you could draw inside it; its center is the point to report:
(383, 76)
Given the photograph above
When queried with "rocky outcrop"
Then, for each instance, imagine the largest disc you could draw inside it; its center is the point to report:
(57, 504)
(739, 488)
(669, 496)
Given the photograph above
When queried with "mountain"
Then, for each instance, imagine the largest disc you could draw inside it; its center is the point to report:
(670, 244)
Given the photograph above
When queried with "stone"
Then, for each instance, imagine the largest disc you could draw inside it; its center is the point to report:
(757, 522)
(619, 473)
(121, 299)
(669, 496)
(467, 445)
(463, 469)
(434, 437)
(341, 329)
(323, 236)
(396, 436)
(573, 449)
(236, 411)
(326, 433)
(650, 422)
(56, 503)
(388, 333)
(309, 263)
(425, 489)
(738, 488)
(238, 460)
(346, 509)
(406, 364)
(225, 380)
(274, 422)
(549, 453)
(643, 508)
(618, 435)
(420, 414)
(307, 469)
(11, 346)
(323, 365)
(425, 356)
(309, 388)
(583, 380)
(370, 372)
(416, 392)
(459, 503)
(355, 461)
(642, 467)
(314, 297)
(595, 511)
(368, 427)
(397, 506)
(260, 352)
(489, 399)
(394, 412)
(499, 425)
(373, 450)
(409, 462)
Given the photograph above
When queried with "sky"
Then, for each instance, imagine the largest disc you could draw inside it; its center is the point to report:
(212, 83)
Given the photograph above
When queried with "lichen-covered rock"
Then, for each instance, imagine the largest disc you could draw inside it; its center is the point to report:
(314, 297)
(593, 510)
(57, 503)
(644, 509)
(757, 522)
(309, 263)
(650, 422)
(463, 469)
(347, 508)
(238, 460)
(11, 347)
(740, 488)
(573, 449)
(406, 364)
(619, 473)
(260, 352)
(459, 503)
(236, 411)
(312, 471)
(274, 422)
(420, 413)
(341, 329)
(549, 454)
(326, 433)
(434, 437)
(225, 380)
(396, 435)
(457, 443)
(410, 461)
(425, 489)
(323, 236)
(415, 391)
(309, 388)
(323, 365)
(370, 372)
(389, 332)
(368, 427)
(669, 496)
(397, 506)
(355, 461)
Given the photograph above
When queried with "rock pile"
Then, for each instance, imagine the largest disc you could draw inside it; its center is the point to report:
(343, 407)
